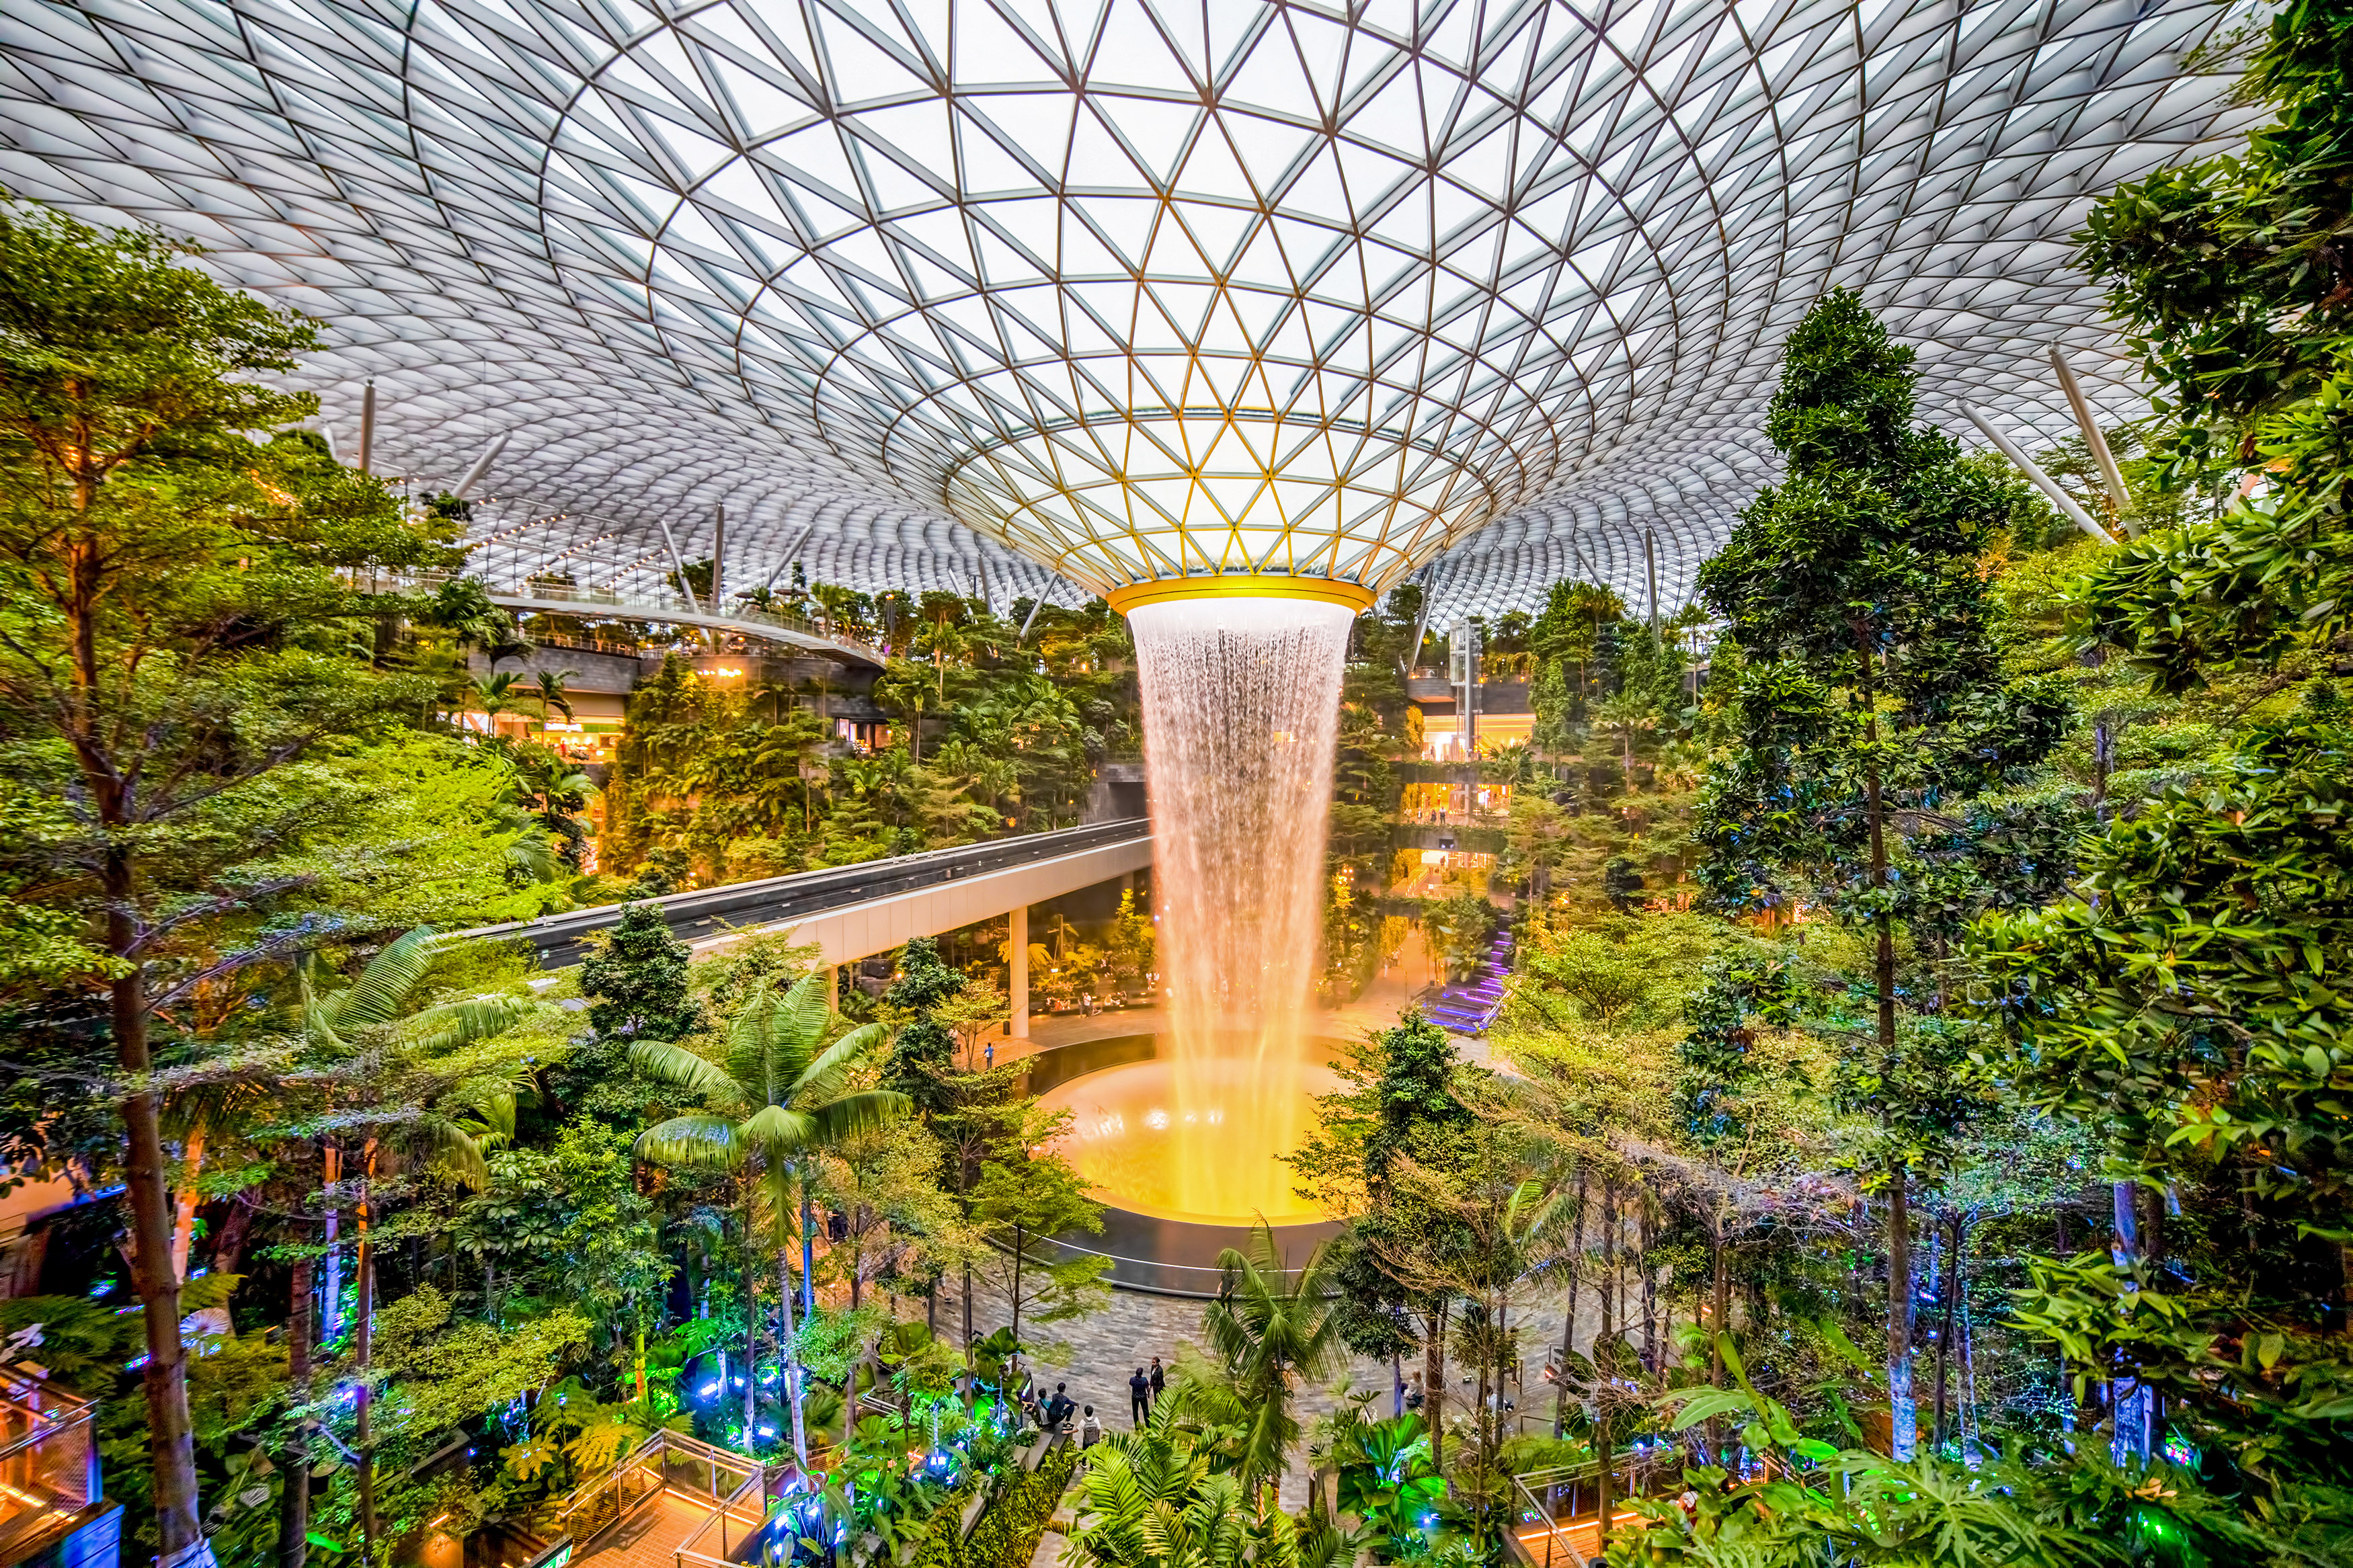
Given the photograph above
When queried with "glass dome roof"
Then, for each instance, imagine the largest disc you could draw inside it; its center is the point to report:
(948, 291)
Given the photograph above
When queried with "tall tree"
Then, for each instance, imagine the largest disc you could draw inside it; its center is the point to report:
(922, 1052)
(1402, 1107)
(1024, 1200)
(636, 982)
(1270, 1325)
(2231, 279)
(396, 1070)
(2191, 1005)
(779, 1095)
(1870, 693)
(175, 634)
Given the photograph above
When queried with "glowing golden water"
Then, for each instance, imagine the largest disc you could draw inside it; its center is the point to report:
(1137, 1142)
(1241, 697)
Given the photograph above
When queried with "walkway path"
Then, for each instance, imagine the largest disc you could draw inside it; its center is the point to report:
(650, 1538)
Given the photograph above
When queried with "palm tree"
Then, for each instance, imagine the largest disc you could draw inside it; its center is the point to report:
(777, 1100)
(1152, 1499)
(369, 1037)
(552, 695)
(493, 696)
(1269, 1326)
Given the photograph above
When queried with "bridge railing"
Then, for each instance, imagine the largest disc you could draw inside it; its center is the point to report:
(636, 607)
(669, 1462)
(771, 901)
(1560, 1508)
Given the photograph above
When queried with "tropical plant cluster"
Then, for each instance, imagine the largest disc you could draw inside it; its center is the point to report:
(1961, 1178)
(1915, 1132)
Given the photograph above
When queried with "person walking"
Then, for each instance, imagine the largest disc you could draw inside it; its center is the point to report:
(1090, 1429)
(1139, 1399)
(1159, 1384)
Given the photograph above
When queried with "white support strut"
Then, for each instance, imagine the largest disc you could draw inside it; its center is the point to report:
(2042, 481)
(2082, 408)
(475, 475)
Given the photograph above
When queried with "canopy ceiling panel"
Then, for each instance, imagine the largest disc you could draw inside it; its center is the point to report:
(956, 292)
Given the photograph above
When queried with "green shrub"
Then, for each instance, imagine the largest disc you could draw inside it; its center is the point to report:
(942, 1545)
(1009, 1533)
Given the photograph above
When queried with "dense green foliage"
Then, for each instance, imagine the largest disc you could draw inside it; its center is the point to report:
(1957, 971)
(2230, 277)
(1007, 1533)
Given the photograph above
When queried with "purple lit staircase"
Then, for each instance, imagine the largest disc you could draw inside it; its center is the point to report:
(1469, 1007)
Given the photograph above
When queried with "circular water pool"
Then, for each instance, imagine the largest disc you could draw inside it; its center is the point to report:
(1200, 1142)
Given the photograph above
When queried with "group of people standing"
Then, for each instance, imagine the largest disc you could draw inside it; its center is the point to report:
(1053, 1412)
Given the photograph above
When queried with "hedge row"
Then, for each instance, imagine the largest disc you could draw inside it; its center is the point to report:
(1010, 1528)
(942, 1545)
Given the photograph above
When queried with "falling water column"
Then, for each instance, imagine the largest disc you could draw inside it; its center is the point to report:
(1241, 702)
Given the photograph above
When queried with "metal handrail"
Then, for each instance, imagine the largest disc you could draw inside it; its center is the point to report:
(707, 911)
(633, 607)
(1561, 1549)
(728, 1510)
(646, 1459)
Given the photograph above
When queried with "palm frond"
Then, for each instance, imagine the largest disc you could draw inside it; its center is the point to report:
(803, 1013)
(692, 1142)
(444, 1146)
(465, 1021)
(496, 1112)
(752, 1032)
(867, 1112)
(319, 1023)
(822, 1078)
(681, 1068)
(384, 985)
(779, 1132)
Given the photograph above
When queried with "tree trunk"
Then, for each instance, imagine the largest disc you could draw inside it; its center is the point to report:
(294, 1460)
(1649, 1298)
(809, 1249)
(1020, 1245)
(970, 1393)
(2128, 1400)
(1603, 1449)
(147, 1185)
(752, 1320)
(1719, 1325)
(362, 1341)
(1609, 1280)
(331, 1306)
(1568, 1319)
(1903, 1409)
(229, 1250)
(792, 1360)
(1433, 1377)
(1945, 1329)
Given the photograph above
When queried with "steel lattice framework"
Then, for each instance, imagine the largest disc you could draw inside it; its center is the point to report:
(1492, 288)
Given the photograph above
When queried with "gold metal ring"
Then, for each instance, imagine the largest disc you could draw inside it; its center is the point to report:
(1324, 590)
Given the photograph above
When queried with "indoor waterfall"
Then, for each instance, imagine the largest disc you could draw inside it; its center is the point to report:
(1240, 701)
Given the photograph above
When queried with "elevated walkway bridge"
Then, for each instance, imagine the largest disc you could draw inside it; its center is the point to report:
(851, 912)
(540, 597)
